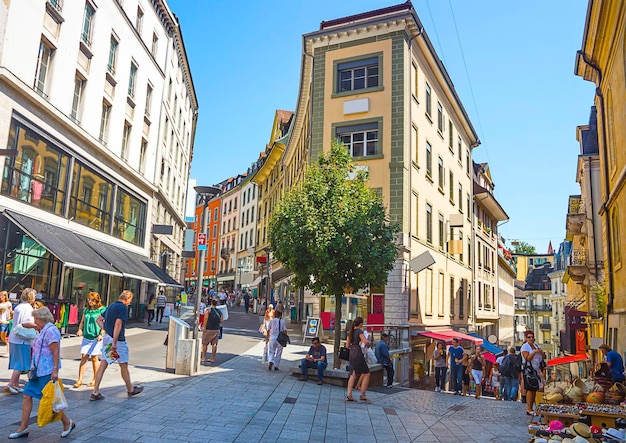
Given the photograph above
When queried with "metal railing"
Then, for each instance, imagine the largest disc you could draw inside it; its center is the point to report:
(576, 205)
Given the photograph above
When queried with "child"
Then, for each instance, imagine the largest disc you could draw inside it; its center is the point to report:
(495, 380)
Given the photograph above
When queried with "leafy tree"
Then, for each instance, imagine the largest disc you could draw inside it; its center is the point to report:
(524, 248)
(333, 233)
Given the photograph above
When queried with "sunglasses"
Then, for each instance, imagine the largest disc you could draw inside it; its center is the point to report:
(530, 336)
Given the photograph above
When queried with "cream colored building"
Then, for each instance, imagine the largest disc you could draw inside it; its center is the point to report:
(506, 302)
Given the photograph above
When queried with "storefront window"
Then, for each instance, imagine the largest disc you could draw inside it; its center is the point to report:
(90, 203)
(130, 218)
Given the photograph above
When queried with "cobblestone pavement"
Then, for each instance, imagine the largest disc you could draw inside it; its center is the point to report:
(241, 401)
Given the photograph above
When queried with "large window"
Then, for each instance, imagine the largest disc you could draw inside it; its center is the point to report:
(125, 141)
(130, 218)
(359, 74)
(90, 202)
(441, 172)
(44, 59)
(87, 24)
(77, 100)
(113, 45)
(439, 117)
(360, 140)
(429, 223)
(429, 100)
(132, 80)
(429, 160)
(442, 232)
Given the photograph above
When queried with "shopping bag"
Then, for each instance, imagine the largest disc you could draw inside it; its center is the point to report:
(59, 403)
(45, 414)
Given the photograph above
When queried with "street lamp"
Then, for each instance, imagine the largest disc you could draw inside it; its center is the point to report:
(206, 193)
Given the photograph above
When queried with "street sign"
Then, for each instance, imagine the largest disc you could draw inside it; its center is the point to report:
(201, 241)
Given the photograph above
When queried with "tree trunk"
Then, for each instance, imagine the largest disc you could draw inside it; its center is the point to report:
(336, 361)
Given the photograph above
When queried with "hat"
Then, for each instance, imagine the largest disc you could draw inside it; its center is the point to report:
(384, 334)
(568, 440)
(614, 434)
(555, 425)
(580, 429)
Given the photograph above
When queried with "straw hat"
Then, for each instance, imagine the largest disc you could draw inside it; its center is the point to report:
(580, 429)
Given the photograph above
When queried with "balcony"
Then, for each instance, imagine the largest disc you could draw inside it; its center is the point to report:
(542, 307)
(225, 253)
(575, 217)
(545, 326)
(578, 265)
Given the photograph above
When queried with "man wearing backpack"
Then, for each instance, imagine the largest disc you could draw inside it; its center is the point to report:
(510, 370)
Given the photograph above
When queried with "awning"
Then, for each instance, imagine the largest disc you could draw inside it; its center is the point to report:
(491, 348)
(131, 264)
(63, 244)
(448, 334)
(567, 359)
(257, 281)
(434, 335)
(164, 278)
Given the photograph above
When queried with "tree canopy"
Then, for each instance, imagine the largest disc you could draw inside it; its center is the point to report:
(332, 231)
(524, 248)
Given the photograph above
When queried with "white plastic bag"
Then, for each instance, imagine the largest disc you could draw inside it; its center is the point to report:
(59, 403)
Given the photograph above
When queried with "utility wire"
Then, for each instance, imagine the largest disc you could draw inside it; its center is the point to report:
(436, 34)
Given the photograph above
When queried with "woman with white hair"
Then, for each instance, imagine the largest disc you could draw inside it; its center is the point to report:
(19, 347)
(46, 361)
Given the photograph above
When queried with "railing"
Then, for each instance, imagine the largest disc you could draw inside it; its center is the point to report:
(542, 307)
(545, 326)
(579, 257)
(576, 205)
(56, 4)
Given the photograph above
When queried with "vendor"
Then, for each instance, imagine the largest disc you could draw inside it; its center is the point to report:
(614, 362)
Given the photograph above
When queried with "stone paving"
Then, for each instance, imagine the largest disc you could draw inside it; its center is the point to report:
(241, 401)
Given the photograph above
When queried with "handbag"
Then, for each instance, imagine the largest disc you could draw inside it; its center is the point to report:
(531, 379)
(283, 338)
(344, 353)
(24, 333)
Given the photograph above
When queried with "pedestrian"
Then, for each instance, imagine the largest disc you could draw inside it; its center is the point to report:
(275, 326)
(20, 347)
(6, 313)
(114, 346)
(222, 296)
(358, 365)
(92, 333)
(246, 301)
(466, 374)
(211, 333)
(280, 307)
(177, 304)
(268, 315)
(476, 365)
(441, 366)
(533, 354)
(456, 367)
(262, 310)
(314, 359)
(202, 312)
(614, 362)
(151, 307)
(46, 361)
(161, 301)
(384, 358)
(499, 360)
(495, 380)
(510, 370)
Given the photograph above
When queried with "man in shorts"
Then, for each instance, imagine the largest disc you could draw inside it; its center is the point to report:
(114, 346)
(211, 332)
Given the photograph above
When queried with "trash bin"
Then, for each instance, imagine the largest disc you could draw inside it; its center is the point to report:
(294, 314)
(178, 330)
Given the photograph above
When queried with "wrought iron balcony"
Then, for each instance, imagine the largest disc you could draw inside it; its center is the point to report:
(575, 219)
(576, 205)
(579, 257)
(542, 307)
(545, 326)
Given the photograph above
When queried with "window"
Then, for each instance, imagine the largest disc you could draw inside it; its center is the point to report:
(415, 85)
(91, 198)
(148, 100)
(469, 207)
(416, 144)
(142, 155)
(450, 136)
(360, 74)
(460, 197)
(440, 307)
(415, 224)
(130, 218)
(87, 24)
(104, 122)
(451, 185)
(442, 232)
(428, 274)
(461, 242)
(360, 140)
(125, 141)
(462, 285)
(429, 103)
(429, 223)
(467, 162)
(77, 99)
(460, 148)
(216, 214)
(113, 45)
(617, 256)
(155, 44)
(452, 298)
(132, 79)
(441, 172)
(139, 22)
(429, 160)
(439, 117)
(44, 59)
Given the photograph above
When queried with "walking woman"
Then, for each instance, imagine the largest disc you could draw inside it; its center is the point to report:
(533, 354)
(358, 365)
(6, 312)
(440, 367)
(477, 366)
(92, 334)
(47, 361)
(151, 307)
(275, 326)
(19, 359)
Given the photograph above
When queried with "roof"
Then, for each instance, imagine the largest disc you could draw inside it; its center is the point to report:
(326, 24)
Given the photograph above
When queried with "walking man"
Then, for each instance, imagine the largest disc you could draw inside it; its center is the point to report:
(315, 359)
(211, 332)
(114, 346)
(383, 357)
(456, 366)
(246, 301)
(161, 300)
(510, 369)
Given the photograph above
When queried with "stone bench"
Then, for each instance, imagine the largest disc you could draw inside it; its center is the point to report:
(339, 377)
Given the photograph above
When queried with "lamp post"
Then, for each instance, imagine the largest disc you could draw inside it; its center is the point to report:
(206, 193)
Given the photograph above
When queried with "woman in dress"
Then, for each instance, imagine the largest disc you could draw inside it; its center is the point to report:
(151, 308)
(19, 359)
(47, 361)
(275, 326)
(358, 365)
(466, 377)
(476, 365)
(6, 312)
(533, 354)
(441, 366)
(92, 334)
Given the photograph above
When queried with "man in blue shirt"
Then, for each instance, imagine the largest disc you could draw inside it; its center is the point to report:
(614, 362)
(314, 359)
(456, 367)
(383, 357)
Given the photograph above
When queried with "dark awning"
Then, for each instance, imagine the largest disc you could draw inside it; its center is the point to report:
(63, 244)
(131, 265)
(164, 278)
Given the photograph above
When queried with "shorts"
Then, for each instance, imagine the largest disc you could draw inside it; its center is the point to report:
(477, 376)
(211, 337)
(121, 349)
(91, 347)
(4, 327)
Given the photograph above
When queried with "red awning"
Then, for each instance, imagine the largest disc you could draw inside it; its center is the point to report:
(448, 334)
(434, 335)
(567, 359)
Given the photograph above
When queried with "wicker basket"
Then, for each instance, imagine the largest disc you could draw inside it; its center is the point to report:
(613, 397)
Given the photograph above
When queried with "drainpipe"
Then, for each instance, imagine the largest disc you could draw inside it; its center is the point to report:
(609, 248)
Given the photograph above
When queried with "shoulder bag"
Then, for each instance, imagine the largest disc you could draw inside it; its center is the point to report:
(283, 338)
(344, 353)
(24, 333)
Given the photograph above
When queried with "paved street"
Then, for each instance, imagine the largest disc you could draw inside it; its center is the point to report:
(239, 400)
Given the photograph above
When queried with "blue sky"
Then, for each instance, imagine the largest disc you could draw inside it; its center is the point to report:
(513, 70)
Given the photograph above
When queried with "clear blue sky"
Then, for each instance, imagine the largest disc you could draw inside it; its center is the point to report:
(513, 70)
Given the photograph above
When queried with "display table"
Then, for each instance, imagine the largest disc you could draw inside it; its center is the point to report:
(602, 415)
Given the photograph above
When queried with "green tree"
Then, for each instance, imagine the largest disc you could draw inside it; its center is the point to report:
(333, 233)
(524, 248)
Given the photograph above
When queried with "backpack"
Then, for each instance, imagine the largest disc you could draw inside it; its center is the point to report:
(505, 366)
